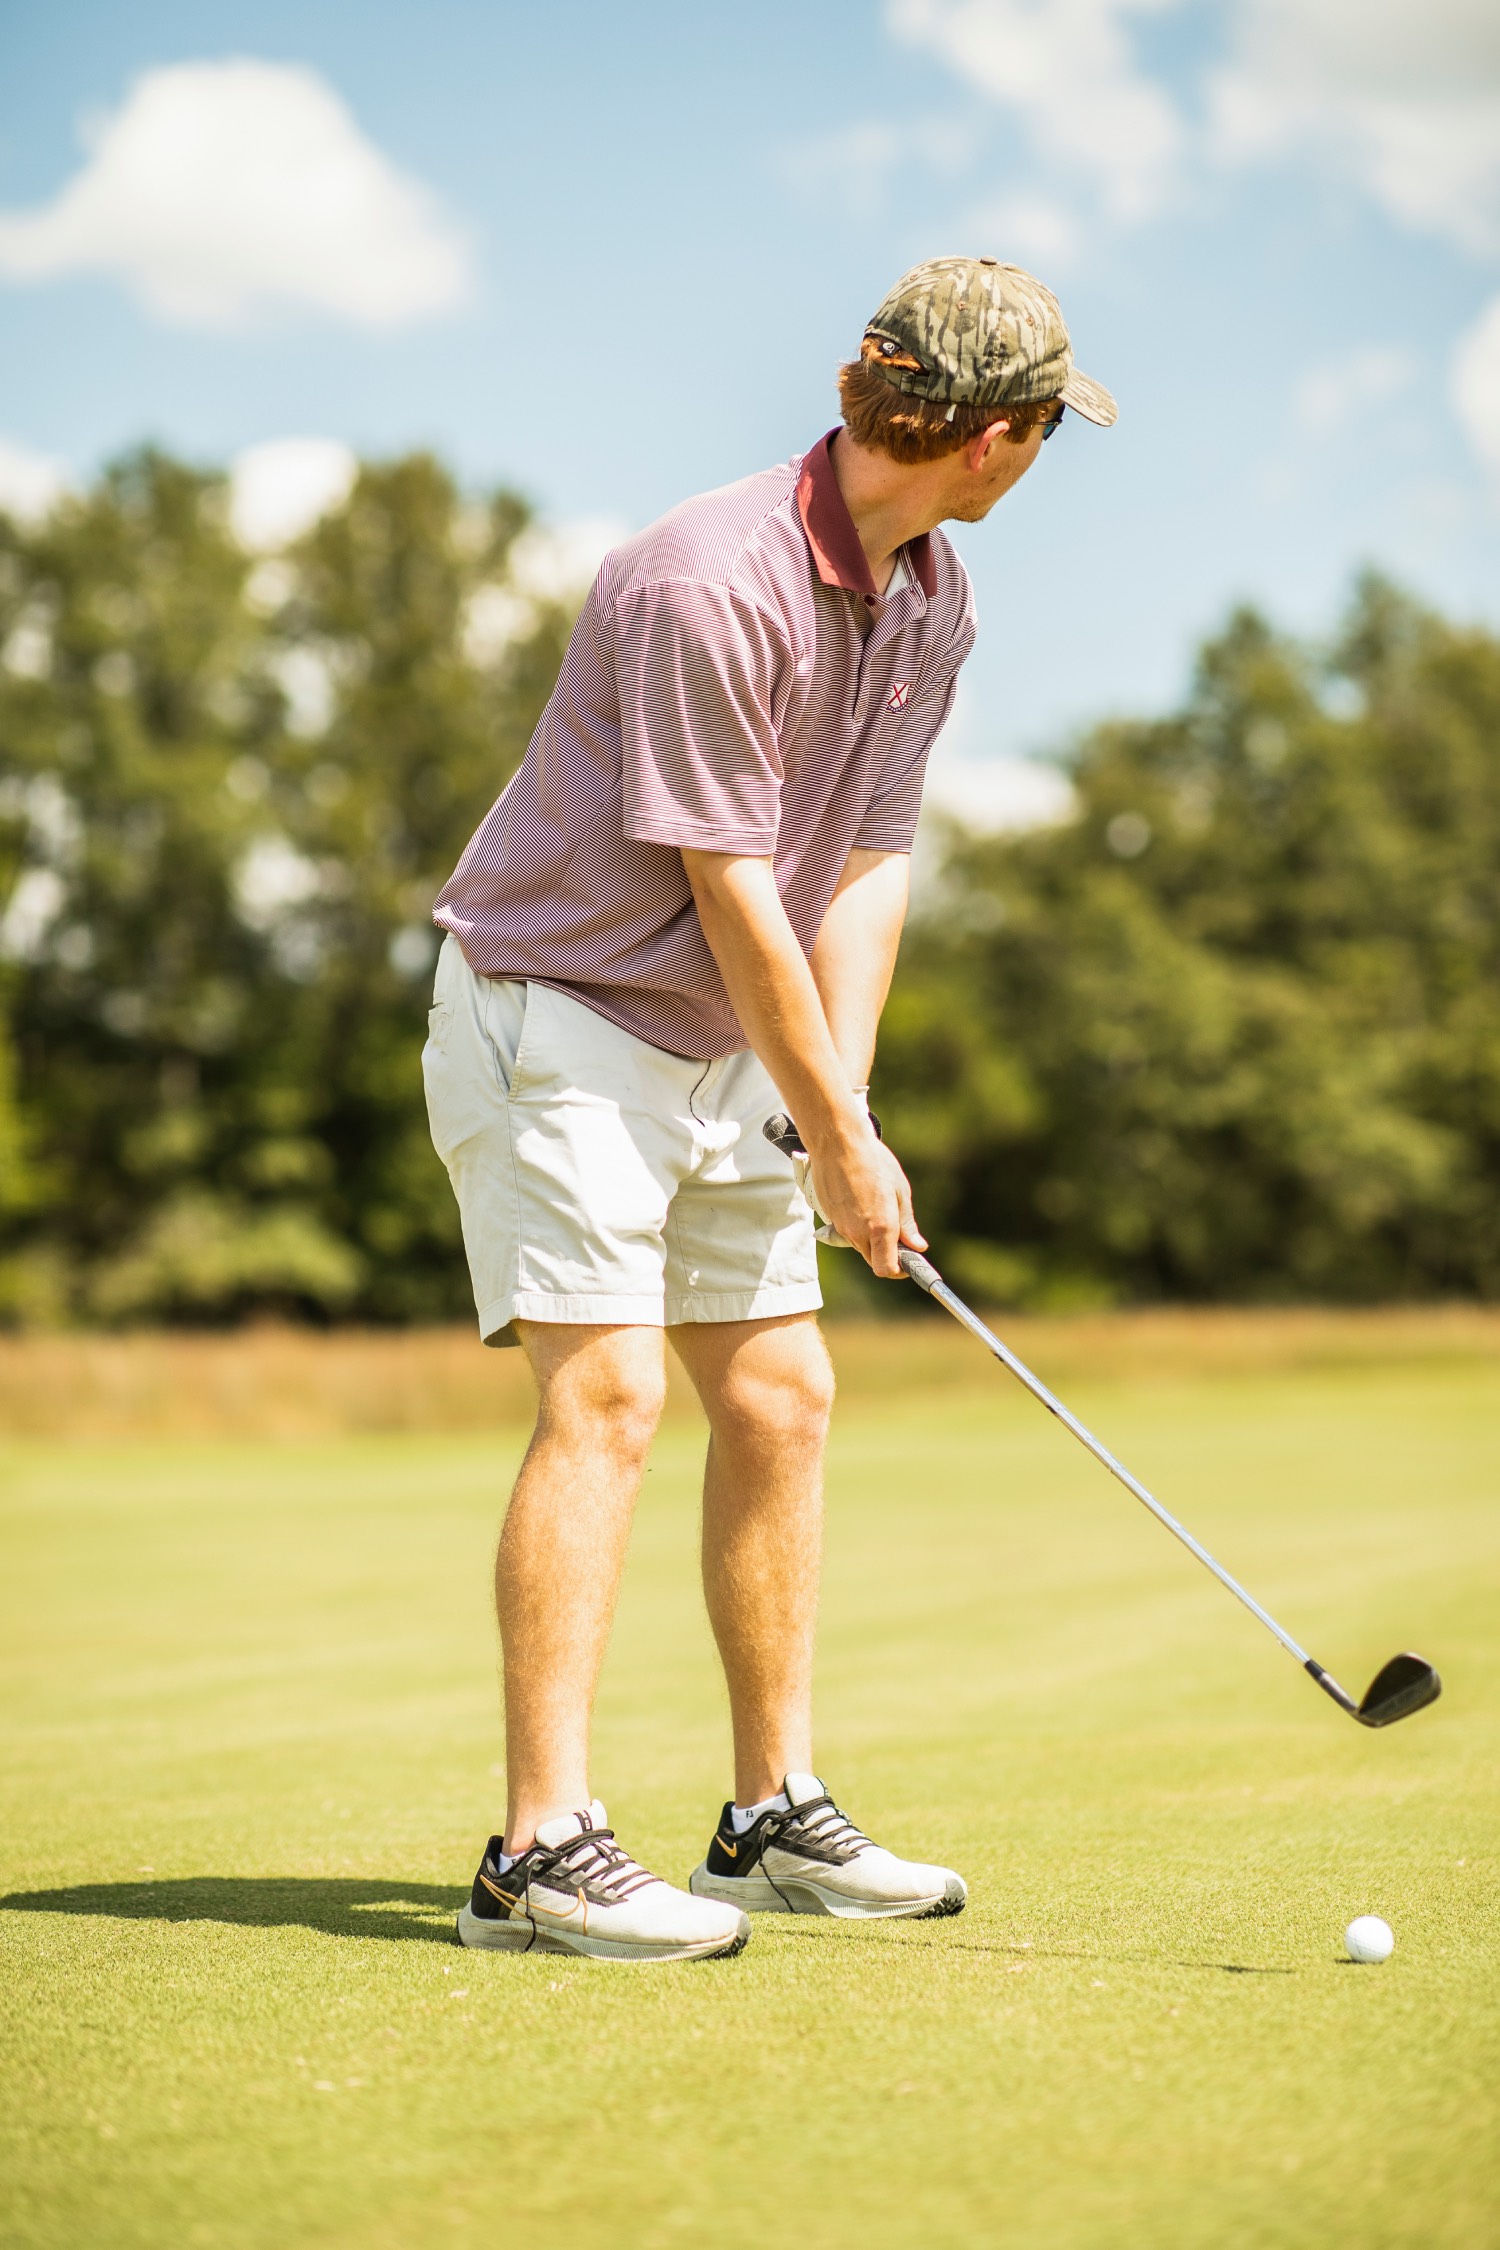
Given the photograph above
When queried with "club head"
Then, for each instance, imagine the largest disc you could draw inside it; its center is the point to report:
(1408, 1683)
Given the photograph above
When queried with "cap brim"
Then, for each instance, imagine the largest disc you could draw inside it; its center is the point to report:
(1090, 399)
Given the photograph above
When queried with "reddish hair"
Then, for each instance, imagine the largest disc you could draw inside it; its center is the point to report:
(911, 429)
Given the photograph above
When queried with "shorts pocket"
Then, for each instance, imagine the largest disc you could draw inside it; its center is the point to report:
(507, 1019)
(458, 1071)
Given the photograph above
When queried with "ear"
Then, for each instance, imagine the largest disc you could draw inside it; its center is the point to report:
(977, 450)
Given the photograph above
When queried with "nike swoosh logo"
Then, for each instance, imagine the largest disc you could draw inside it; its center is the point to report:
(732, 1849)
(542, 1912)
(505, 1897)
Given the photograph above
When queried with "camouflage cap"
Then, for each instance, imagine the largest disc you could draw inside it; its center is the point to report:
(972, 332)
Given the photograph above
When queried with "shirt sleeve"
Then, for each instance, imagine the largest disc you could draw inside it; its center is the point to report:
(701, 676)
(890, 821)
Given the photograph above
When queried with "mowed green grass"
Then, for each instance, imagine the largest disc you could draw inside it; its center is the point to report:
(251, 1750)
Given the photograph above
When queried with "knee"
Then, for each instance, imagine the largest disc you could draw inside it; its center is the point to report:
(630, 1410)
(615, 1406)
(787, 1405)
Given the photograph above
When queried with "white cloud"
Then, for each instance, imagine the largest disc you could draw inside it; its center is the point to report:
(996, 794)
(1066, 67)
(31, 484)
(547, 563)
(1024, 229)
(559, 562)
(858, 166)
(221, 189)
(853, 167)
(1476, 386)
(1330, 393)
(1403, 101)
(278, 490)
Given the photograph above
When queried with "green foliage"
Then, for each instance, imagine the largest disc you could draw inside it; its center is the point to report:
(229, 795)
(1234, 1030)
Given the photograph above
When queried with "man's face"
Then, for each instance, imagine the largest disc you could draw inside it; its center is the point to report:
(986, 470)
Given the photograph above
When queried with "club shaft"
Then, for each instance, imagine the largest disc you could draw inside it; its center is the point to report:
(927, 1277)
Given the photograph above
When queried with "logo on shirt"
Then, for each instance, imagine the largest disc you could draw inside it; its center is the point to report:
(899, 696)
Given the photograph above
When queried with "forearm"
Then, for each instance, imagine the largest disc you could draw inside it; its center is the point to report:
(774, 991)
(855, 954)
(858, 1184)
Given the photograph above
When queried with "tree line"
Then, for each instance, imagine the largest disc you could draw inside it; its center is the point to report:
(1230, 1030)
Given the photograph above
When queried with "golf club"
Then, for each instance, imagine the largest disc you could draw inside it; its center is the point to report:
(1406, 1684)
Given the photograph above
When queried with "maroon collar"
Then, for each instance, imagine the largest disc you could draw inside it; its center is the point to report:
(831, 534)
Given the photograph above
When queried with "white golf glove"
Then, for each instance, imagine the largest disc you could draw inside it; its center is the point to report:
(802, 1166)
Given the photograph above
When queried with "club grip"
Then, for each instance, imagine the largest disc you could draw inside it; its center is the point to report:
(919, 1269)
(783, 1134)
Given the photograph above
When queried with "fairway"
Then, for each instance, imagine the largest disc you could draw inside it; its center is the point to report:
(251, 1748)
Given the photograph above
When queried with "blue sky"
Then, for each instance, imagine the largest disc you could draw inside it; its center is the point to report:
(613, 255)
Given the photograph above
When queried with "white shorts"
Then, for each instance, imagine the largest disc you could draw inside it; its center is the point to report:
(600, 1179)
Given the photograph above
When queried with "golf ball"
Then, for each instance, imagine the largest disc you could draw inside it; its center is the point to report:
(1369, 1939)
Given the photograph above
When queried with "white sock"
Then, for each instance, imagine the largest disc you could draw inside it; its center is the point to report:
(745, 1816)
(506, 1860)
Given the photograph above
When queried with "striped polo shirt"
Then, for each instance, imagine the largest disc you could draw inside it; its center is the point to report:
(734, 683)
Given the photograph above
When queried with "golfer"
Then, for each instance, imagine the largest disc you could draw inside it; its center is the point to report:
(680, 918)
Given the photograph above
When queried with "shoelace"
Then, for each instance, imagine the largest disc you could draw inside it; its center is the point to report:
(594, 1857)
(822, 1819)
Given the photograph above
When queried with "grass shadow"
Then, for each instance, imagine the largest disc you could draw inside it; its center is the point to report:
(1128, 1960)
(337, 1906)
(896, 1932)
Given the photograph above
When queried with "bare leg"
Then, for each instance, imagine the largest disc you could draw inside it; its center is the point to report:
(558, 1568)
(767, 1388)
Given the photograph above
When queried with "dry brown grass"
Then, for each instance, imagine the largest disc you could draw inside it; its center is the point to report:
(285, 1382)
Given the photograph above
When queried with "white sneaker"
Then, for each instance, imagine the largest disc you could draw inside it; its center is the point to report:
(577, 1891)
(811, 1860)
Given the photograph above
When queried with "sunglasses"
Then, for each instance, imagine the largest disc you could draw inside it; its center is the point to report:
(1053, 424)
